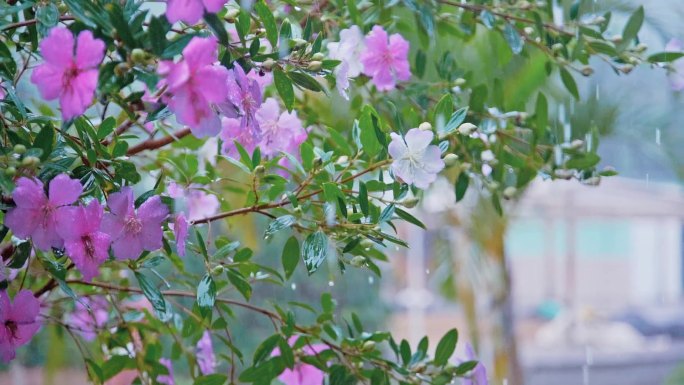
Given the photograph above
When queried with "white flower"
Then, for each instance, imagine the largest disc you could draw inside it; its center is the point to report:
(348, 51)
(416, 161)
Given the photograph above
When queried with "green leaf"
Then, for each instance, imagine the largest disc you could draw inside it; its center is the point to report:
(157, 30)
(268, 21)
(278, 224)
(225, 250)
(290, 257)
(216, 26)
(115, 365)
(305, 80)
(478, 97)
(632, 27)
(44, 141)
(211, 379)
(240, 283)
(420, 61)
(583, 161)
(206, 293)
(367, 126)
(265, 348)
(513, 38)
(569, 83)
(445, 347)
(456, 119)
(443, 111)
(21, 254)
(363, 199)
(408, 217)
(461, 186)
(542, 115)
(665, 57)
(151, 293)
(202, 245)
(106, 127)
(122, 26)
(284, 86)
(314, 250)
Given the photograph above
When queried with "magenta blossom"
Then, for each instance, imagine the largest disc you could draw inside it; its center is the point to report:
(303, 374)
(206, 360)
(385, 60)
(85, 244)
(244, 99)
(197, 83)
(180, 231)
(18, 322)
(87, 322)
(36, 215)
(280, 132)
(478, 376)
(415, 160)
(166, 379)
(69, 74)
(190, 11)
(131, 231)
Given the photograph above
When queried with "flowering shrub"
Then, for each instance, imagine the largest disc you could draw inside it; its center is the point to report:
(327, 118)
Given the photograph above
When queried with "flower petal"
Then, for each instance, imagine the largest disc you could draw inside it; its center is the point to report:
(58, 47)
(64, 190)
(89, 50)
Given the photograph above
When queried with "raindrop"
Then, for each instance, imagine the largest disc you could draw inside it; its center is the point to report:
(589, 355)
(567, 132)
(293, 286)
(558, 155)
(371, 280)
(598, 94)
(657, 138)
(331, 283)
(427, 271)
(585, 374)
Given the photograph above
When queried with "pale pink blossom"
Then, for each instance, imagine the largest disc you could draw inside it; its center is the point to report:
(180, 231)
(134, 231)
(385, 58)
(415, 160)
(166, 379)
(18, 323)
(348, 50)
(89, 316)
(68, 74)
(197, 83)
(477, 376)
(85, 243)
(244, 99)
(193, 201)
(676, 76)
(35, 215)
(302, 373)
(191, 11)
(206, 360)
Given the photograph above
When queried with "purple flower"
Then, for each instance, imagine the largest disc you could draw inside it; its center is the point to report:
(180, 231)
(478, 376)
(166, 379)
(244, 99)
(197, 82)
(416, 161)
(131, 231)
(190, 11)
(205, 354)
(88, 322)
(303, 374)
(677, 76)
(280, 132)
(195, 203)
(386, 60)
(17, 322)
(36, 215)
(67, 73)
(85, 244)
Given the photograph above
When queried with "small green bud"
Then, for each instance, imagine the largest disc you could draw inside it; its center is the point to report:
(459, 82)
(627, 68)
(268, 64)
(30, 161)
(298, 43)
(358, 261)
(557, 47)
(314, 66)
(562, 173)
(19, 149)
(587, 71)
(318, 56)
(217, 270)
(368, 346)
(342, 160)
(138, 56)
(297, 210)
(509, 192)
(259, 170)
(641, 47)
(576, 144)
(466, 128)
(318, 162)
(410, 203)
(528, 30)
(425, 126)
(231, 15)
(616, 39)
(10, 171)
(121, 69)
(450, 159)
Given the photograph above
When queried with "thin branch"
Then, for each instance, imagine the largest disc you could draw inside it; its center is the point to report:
(153, 144)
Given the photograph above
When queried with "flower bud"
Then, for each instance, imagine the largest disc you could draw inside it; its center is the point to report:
(10, 171)
(599, 20)
(577, 144)
(616, 39)
(268, 64)
(459, 82)
(19, 149)
(587, 71)
(410, 203)
(509, 192)
(318, 56)
(593, 181)
(232, 14)
(298, 43)
(30, 161)
(525, 5)
(425, 126)
(138, 56)
(121, 69)
(466, 128)
(314, 66)
(297, 210)
(358, 261)
(217, 270)
(627, 68)
(641, 47)
(342, 160)
(259, 170)
(368, 346)
(318, 162)
(557, 47)
(450, 159)
(562, 173)
(528, 30)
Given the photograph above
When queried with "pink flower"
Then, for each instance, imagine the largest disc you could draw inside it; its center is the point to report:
(66, 74)
(190, 11)
(180, 231)
(263, 79)
(385, 60)
(677, 76)
(478, 376)
(131, 231)
(279, 132)
(193, 201)
(85, 244)
(244, 99)
(18, 322)
(197, 83)
(36, 215)
(205, 354)
(86, 321)
(166, 379)
(303, 374)
(415, 160)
